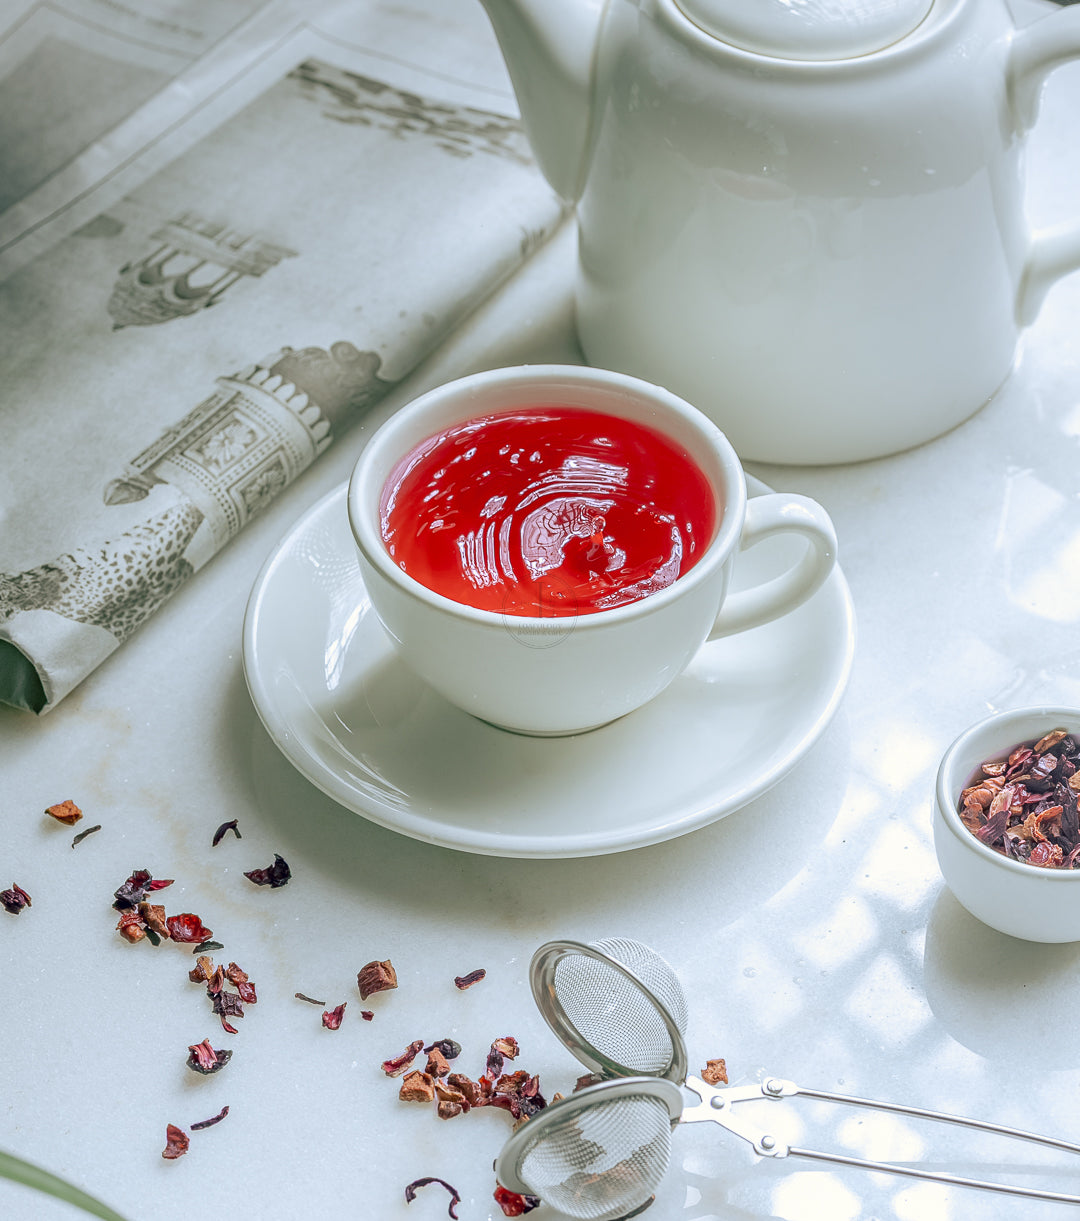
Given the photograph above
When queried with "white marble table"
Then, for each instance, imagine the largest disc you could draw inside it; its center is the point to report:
(811, 929)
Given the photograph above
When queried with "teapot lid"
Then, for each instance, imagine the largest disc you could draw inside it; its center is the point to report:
(807, 29)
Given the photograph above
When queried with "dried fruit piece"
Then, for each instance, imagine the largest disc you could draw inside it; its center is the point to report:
(209, 1123)
(203, 1058)
(367, 1014)
(83, 834)
(153, 916)
(455, 1197)
(395, 1066)
(462, 982)
(225, 827)
(66, 812)
(176, 1142)
(241, 983)
(226, 1005)
(15, 899)
(274, 875)
(376, 977)
(417, 1087)
(715, 1072)
(437, 1064)
(331, 1019)
(131, 925)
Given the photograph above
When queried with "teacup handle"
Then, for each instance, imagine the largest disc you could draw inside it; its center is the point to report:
(780, 513)
(1036, 50)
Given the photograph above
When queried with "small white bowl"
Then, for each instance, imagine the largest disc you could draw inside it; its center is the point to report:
(1025, 901)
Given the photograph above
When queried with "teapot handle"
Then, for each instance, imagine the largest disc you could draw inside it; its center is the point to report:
(1036, 50)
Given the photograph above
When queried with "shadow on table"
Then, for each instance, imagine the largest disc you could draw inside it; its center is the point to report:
(992, 992)
(743, 859)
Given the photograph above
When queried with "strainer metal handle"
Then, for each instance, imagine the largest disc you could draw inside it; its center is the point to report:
(715, 1106)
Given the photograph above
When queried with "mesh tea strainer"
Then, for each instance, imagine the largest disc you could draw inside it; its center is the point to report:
(602, 1152)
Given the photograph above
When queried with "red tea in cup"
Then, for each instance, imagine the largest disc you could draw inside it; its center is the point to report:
(547, 510)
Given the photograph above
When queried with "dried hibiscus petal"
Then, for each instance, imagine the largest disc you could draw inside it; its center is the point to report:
(187, 927)
(226, 1005)
(209, 1123)
(206, 1059)
(466, 981)
(15, 899)
(221, 832)
(66, 812)
(331, 1019)
(176, 1142)
(455, 1197)
(367, 1014)
(136, 888)
(376, 977)
(274, 875)
(395, 1066)
(514, 1204)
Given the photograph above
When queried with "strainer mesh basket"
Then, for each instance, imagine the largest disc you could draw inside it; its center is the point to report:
(602, 1162)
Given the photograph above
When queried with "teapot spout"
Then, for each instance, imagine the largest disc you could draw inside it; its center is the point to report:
(549, 48)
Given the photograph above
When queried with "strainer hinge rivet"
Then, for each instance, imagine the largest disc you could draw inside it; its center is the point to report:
(717, 1103)
(773, 1086)
(767, 1142)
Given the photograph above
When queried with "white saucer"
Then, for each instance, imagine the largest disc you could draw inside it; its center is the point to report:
(344, 711)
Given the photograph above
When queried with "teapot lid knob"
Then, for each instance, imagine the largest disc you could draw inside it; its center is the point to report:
(808, 30)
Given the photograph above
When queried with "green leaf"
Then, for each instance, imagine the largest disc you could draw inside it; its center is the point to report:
(33, 1176)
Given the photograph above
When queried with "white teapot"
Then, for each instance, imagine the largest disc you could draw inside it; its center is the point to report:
(804, 216)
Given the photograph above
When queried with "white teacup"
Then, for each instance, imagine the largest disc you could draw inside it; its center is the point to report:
(565, 675)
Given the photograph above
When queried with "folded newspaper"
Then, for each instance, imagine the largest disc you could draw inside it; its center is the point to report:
(227, 228)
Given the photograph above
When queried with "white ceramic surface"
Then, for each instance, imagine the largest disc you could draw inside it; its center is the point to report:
(355, 721)
(831, 258)
(567, 674)
(808, 29)
(1022, 900)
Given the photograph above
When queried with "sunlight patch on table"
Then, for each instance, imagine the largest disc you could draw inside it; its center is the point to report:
(888, 1004)
(804, 1195)
(899, 867)
(845, 932)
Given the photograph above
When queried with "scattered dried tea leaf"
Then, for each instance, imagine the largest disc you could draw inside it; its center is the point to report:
(331, 1019)
(209, 1123)
(205, 946)
(83, 834)
(585, 1081)
(241, 983)
(417, 1087)
(376, 977)
(176, 1142)
(203, 1058)
(466, 981)
(395, 1066)
(455, 1198)
(367, 1014)
(66, 812)
(310, 1000)
(513, 1204)
(187, 927)
(15, 899)
(226, 1005)
(274, 875)
(223, 830)
(715, 1072)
